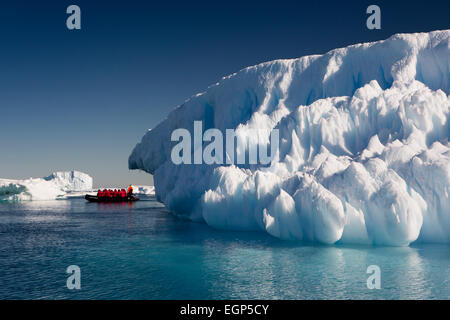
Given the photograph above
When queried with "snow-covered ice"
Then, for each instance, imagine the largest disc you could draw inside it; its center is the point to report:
(144, 190)
(55, 186)
(364, 146)
(71, 180)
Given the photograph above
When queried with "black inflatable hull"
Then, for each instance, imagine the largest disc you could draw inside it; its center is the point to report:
(97, 199)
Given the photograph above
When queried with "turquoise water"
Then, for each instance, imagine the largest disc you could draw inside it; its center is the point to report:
(143, 252)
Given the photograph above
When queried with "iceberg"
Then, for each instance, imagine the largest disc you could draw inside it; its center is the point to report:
(71, 180)
(55, 186)
(364, 153)
(144, 190)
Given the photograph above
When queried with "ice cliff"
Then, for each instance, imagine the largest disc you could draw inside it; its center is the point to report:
(364, 152)
(55, 186)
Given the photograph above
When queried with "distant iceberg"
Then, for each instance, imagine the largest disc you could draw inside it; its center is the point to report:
(364, 146)
(144, 190)
(57, 185)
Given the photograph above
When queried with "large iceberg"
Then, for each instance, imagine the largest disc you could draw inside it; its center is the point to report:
(364, 153)
(57, 185)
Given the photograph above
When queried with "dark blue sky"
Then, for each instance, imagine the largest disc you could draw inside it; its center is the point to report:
(82, 99)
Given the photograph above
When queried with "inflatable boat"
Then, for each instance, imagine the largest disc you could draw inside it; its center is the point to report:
(112, 199)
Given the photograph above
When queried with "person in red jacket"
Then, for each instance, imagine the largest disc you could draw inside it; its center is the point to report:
(123, 193)
(99, 193)
(130, 191)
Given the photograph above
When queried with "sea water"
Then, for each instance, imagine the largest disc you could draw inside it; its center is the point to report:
(141, 251)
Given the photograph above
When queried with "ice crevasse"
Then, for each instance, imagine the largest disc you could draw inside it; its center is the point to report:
(364, 154)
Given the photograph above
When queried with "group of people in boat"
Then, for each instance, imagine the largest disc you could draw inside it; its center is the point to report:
(109, 193)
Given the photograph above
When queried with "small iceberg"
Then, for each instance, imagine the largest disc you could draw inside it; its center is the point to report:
(56, 186)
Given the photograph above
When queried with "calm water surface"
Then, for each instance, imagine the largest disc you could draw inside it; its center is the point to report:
(143, 252)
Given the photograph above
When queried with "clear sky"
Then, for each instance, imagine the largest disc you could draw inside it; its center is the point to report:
(82, 99)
